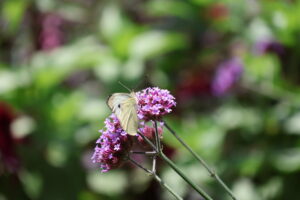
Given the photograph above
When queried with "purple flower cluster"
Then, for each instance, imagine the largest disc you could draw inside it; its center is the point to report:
(226, 76)
(154, 103)
(112, 145)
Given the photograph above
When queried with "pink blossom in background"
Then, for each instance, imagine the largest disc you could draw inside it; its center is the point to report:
(51, 35)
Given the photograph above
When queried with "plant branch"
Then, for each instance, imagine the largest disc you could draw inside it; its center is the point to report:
(148, 153)
(148, 141)
(167, 187)
(140, 166)
(211, 172)
(175, 168)
(157, 178)
(179, 172)
(154, 164)
(157, 139)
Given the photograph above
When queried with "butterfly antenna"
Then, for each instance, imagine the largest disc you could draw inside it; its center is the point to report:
(125, 86)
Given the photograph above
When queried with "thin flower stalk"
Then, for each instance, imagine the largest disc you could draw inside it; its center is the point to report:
(157, 139)
(167, 187)
(211, 171)
(157, 178)
(180, 173)
(177, 170)
(150, 153)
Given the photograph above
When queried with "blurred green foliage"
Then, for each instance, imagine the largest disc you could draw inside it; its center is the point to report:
(59, 60)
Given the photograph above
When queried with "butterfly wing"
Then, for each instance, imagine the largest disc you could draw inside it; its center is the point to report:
(128, 116)
(125, 107)
(114, 101)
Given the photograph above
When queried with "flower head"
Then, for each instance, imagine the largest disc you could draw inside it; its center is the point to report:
(112, 146)
(154, 103)
(227, 75)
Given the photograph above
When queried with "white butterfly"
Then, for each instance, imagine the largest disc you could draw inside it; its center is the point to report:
(124, 105)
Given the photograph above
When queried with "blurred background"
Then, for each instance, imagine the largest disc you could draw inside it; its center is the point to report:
(233, 67)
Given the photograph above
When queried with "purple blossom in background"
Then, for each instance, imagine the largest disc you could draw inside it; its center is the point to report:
(51, 35)
(112, 146)
(226, 76)
(268, 46)
(154, 103)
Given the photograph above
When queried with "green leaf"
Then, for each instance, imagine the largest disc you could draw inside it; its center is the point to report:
(287, 160)
(154, 43)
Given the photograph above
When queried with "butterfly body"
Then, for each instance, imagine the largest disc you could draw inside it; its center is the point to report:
(124, 105)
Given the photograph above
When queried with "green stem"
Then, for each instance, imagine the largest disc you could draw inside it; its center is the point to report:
(140, 166)
(167, 187)
(147, 153)
(180, 173)
(176, 169)
(158, 179)
(148, 141)
(211, 172)
(157, 139)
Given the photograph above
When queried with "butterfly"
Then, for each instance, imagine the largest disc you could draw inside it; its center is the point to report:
(124, 105)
